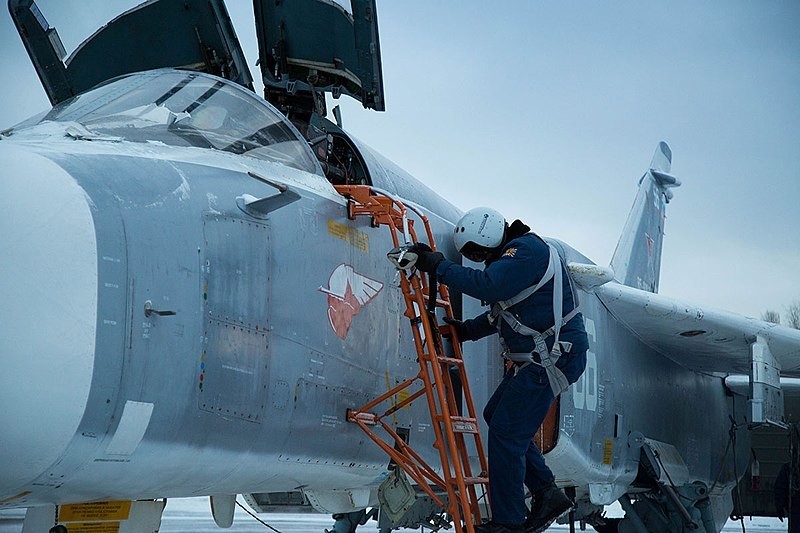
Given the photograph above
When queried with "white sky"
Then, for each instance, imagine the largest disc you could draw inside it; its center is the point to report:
(550, 112)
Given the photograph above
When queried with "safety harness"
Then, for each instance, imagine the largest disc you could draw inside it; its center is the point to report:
(548, 358)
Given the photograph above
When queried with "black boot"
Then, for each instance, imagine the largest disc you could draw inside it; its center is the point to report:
(494, 527)
(548, 504)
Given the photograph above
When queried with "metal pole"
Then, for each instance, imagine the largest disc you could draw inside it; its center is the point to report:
(632, 515)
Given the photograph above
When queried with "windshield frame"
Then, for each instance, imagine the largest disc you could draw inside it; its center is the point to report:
(188, 108)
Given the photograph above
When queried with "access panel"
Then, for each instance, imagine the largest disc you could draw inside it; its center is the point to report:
(235, 360)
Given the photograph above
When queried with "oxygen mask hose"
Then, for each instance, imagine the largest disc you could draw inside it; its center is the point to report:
(432, 293)
(433, 290)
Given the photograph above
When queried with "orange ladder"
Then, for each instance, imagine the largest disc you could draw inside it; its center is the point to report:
(450, 427)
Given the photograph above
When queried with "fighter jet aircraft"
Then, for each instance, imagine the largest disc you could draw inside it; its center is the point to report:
(190, 311)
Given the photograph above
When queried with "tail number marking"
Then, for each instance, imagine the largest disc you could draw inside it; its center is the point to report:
(584, 395)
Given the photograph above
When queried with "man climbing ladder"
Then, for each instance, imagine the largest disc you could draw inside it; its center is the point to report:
(534, 309)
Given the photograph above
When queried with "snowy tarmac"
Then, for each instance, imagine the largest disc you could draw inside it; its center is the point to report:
(192, 515)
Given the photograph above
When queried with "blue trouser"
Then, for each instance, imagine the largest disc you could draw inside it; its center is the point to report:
(514, 413)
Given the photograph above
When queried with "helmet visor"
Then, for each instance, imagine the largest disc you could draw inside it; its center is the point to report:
(475, 253)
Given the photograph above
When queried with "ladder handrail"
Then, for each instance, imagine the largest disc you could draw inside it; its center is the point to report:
(437, 386)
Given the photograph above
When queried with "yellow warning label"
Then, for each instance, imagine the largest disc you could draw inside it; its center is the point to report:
(357, 239)
(89, 512)
(402, 396)
(94, 527)
(608, 452)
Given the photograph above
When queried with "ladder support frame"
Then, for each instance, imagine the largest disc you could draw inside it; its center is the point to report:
(449, 426)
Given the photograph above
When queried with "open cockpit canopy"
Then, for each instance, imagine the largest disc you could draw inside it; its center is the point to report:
(306, 48)
(190, 34)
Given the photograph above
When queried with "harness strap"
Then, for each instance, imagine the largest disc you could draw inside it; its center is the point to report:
(558, 295)
(522, 329)
(558, 381)
(525, 293)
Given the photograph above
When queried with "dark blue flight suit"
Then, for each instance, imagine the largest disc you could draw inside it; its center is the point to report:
(785, 505)
(519, 405)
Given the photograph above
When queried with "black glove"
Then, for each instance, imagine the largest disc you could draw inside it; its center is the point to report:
(458, 327)
(427, 259)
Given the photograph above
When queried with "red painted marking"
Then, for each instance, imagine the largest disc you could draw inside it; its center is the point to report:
(348, 291)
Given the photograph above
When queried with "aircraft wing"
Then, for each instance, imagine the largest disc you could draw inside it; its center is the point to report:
(705, 340)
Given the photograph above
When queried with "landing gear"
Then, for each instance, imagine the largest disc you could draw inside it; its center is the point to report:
(599, 522)
(348, 522)
(609, 525)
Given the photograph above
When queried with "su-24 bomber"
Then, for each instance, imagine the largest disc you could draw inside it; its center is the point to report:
(163, 335)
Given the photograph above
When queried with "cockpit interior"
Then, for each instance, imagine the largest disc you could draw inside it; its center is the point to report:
(340, 159)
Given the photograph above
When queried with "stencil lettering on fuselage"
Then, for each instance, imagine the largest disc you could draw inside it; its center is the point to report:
(584, 394)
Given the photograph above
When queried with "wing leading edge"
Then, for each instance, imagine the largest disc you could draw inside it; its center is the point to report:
(704, 340)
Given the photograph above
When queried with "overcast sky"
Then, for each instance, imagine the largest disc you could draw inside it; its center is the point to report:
(550, 112)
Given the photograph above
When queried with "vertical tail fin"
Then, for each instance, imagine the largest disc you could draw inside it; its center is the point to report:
(637, 259)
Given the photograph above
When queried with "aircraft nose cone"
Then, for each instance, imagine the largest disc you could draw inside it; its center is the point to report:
(48, 314)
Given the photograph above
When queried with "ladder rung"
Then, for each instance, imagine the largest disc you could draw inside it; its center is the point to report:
(445, 329)
(476, 480)
(463, 424)
(371, 419)
(439, 301)
(450, 361)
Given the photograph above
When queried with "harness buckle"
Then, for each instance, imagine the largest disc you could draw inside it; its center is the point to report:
(517, 367)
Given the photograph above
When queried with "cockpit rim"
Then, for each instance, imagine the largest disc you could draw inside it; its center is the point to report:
(309, 164)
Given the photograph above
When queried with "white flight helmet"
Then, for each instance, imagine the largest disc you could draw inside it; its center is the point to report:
(481, 226)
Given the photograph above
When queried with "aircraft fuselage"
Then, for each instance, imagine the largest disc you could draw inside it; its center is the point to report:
(166, 340)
